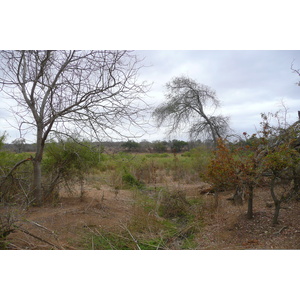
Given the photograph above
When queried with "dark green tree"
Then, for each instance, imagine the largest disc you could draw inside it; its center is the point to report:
(131, 146)
(178, 146)
(159, 146)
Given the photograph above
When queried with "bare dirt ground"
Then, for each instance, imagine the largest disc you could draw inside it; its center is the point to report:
(63, 224)
(229, 227)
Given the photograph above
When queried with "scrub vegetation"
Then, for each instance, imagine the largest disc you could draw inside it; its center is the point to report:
(76, 187)
(96, 198)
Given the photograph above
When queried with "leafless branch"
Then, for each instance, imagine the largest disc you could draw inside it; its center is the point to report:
(66, 91)
(186, 106)
(36, 237)
(17, 165)
(41, 226)
(132, 237)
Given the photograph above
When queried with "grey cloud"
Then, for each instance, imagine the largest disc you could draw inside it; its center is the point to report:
(247, 82)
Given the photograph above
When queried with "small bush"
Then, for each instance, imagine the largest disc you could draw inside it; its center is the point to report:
(15, 180)
(129, 180)
(173, 205)
(67, 162)
(186, 154)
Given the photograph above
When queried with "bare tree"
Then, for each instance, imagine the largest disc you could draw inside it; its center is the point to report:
(186, 105)
(87, 92)
(297, 71)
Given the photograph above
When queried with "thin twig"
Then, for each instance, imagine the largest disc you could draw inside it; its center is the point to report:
(88, 206)
(41, 226)
(24, 241)
(135, 241)
(38, 238)
(24, 192)
(15, 246)
(278, 232)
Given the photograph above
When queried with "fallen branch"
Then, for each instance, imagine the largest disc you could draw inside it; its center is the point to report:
(41, 226)
(38, 238)
(278, 232)
(32, 246)
(15, 246)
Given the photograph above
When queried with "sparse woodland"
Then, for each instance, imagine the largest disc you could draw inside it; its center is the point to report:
(76, 191)
(239, 195)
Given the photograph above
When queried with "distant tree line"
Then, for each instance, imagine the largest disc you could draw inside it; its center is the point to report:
(158, 146)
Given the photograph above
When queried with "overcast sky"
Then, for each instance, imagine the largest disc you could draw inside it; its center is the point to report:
(246, 82)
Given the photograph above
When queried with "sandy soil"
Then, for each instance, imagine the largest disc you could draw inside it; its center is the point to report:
(63, 224)
(229, 228)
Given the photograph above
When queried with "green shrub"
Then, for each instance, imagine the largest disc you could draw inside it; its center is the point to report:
(129, 180)
(67, 162)
(15, 180)
(186, 154)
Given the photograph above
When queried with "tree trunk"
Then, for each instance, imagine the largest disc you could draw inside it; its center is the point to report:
(214, 133)
(238, 196)
(296, 179)
(37, 182)
(37, 167)
(250, 202)
(276, 212)
(277, 202)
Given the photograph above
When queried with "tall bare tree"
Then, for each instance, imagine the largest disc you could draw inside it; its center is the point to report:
(67, 91)
(186, 105)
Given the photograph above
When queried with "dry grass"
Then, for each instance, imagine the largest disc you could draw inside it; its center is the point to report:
(164, 213)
